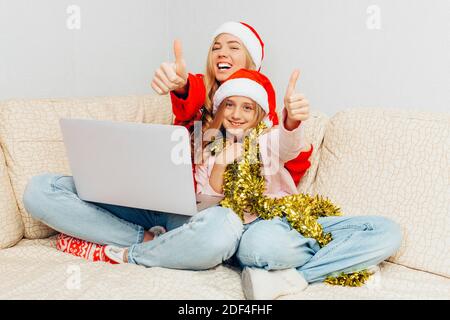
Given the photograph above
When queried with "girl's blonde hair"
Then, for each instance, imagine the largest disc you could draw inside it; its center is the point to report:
(216, 124)
(211, 84)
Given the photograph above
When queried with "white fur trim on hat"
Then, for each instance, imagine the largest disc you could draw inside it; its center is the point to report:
(241, 87)
(247, 37)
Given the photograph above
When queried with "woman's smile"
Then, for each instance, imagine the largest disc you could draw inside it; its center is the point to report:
(224, 66)
(228, 56)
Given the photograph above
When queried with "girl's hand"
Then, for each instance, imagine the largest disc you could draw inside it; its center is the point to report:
(231, 152)
(171, 76)
(296, 105)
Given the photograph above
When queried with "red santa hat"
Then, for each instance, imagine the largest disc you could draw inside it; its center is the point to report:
(251, 84)
(249, 37)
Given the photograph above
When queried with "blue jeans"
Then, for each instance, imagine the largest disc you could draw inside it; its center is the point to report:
(193, 243)
(358, 243)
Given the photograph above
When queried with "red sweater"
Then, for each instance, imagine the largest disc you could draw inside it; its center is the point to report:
(188, 109)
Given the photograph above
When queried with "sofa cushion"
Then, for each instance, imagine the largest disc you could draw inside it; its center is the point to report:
(33, 265)
(391, 281)
(36, 264)
(314, 132)
(393, 163)
(11, 225)
(31, 138)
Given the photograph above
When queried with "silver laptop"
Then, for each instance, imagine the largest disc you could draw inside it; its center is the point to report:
(137, 165)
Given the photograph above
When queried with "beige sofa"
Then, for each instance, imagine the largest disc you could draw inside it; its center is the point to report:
(368, 161)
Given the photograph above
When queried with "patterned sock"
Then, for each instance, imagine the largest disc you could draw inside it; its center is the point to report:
(81, 248)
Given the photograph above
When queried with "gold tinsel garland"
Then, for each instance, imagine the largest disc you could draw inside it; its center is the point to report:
(244, 188)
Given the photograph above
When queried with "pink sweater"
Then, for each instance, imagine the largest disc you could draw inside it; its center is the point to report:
(277, 146)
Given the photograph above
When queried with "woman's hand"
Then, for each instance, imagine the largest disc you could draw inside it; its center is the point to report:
(297, 106)
(171, 76)
(231, 152)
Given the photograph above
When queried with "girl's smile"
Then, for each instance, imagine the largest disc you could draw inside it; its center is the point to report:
(236, 124)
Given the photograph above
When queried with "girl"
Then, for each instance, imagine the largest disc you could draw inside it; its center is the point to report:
(235, 45)
(236, 116)
(358, 242)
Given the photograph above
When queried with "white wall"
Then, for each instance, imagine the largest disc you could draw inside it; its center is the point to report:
(114, 52)
(405, 64)
(344, 63)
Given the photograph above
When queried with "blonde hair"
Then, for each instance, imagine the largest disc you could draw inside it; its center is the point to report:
(216, 124)
(211, 84)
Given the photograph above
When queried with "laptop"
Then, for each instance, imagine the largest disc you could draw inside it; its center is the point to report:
(146, 166)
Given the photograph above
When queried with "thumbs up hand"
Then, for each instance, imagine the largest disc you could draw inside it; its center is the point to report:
(171, 76)
(180, 64)
(296, 105)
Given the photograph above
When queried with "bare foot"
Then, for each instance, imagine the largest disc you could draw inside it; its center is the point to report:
(148, 236)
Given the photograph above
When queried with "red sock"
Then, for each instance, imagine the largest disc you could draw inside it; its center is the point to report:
(81, 248)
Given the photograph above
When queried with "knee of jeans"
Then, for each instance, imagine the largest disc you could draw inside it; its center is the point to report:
(220, 218)
(266, 244)
(36, 193)
(390, 234)
(224, 230)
